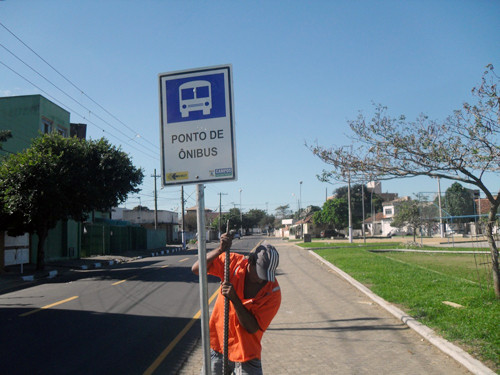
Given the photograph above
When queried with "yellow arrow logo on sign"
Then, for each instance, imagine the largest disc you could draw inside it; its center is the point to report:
(177, 176)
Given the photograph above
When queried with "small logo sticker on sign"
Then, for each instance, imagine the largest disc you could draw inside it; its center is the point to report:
(223, 172)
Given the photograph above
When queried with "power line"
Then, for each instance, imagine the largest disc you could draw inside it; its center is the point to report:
(69, 96)
(70, 82)
(74, 111)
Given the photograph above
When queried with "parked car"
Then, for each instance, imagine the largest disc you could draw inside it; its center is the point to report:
(397, 232)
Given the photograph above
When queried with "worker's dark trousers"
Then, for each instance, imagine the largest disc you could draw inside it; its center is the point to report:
(252, 367)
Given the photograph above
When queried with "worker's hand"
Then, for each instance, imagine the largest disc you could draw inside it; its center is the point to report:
(225, 242)
(227, 290)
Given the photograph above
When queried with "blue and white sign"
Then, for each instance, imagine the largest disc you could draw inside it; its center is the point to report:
(197, 126)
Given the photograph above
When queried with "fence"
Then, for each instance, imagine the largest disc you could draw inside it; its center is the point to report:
(105, 239)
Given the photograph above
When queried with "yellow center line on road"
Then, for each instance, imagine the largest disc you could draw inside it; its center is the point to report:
(122, 281)
(175, 341)
(49, 306)
(183, 260)
(132, 277)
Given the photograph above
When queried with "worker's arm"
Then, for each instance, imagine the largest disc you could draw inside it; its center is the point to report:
(225, 243)
(245, 317)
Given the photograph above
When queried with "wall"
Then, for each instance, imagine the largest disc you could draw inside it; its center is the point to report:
(24, 117)
(147, 217)
(63, 241)
(21, 116)
(156, 238)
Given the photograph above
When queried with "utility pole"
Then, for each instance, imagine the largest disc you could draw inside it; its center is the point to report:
(183, 221)
(363, 207)
(155, 176)
(441, 228)
(220, 210)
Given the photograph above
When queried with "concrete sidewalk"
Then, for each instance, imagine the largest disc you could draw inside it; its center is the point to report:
(327, 326)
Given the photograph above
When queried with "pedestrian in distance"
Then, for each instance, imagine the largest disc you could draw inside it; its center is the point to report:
(255, 298)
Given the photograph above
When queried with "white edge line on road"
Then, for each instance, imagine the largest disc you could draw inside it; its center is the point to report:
(445, 346)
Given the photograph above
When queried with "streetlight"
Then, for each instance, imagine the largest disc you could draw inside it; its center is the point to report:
(300, 195)
(300, 202)
(241, 215)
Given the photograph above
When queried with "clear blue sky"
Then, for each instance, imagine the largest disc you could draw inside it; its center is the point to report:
(301, 70)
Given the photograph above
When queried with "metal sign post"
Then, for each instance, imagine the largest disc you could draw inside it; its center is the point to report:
(198, 146)
(202, 259)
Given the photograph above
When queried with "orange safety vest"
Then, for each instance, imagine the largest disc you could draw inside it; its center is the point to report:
(242, 345)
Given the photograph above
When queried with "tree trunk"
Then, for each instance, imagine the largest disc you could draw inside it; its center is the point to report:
(40, 259)
(493, 249)
(2, 251)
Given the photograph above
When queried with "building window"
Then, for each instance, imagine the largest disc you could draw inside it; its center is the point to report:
(62, 131)
(46, 125)
(388, 211)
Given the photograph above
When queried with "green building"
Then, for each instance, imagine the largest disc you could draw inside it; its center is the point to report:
(27, 117)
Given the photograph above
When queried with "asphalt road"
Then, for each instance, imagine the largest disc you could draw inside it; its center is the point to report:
(135, 318)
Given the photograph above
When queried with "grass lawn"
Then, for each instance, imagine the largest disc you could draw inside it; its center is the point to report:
(419, 283)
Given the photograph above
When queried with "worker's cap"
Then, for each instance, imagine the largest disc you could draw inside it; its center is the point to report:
(267, 260)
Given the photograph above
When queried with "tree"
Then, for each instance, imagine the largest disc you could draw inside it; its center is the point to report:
(4, 135)
(458, 201)
(254, 216)
(62, 178)
(191, 221)
(234, 220)
(357, 202)
(267, 222)
(140, 208)
(334, 212)
(407, 214)
(464, 147)
(235, 217)
(283, 211)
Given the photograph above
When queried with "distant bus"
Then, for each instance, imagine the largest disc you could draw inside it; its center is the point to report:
(195, 96)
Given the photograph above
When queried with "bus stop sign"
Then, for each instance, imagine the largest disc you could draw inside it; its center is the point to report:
(197, 126)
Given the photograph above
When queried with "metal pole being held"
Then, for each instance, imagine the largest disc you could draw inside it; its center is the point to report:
(225, 363)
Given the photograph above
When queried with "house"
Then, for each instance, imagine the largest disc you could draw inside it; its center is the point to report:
(167, 223)
(482, 208)
(284, 232)
(302, 227)
(190, 223)
(380, 224)
(374, 224)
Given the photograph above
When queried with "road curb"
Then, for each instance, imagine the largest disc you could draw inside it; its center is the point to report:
(464, 358)
(98, 264)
